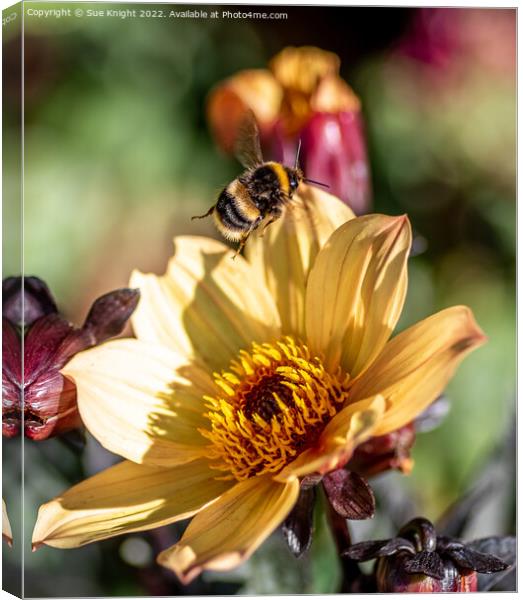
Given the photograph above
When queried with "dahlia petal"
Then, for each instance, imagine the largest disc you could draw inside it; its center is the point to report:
(356, 289)
(416, 365)
(284, 255)
(206, 306)
(7, 534)
(226, 533)
(350, 427)
(125, 498)
(141, 401)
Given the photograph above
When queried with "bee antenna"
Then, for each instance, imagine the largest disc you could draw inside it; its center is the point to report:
(316, 182)
(297, 154)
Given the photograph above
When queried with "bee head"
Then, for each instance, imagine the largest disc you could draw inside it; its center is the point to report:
(295, 178)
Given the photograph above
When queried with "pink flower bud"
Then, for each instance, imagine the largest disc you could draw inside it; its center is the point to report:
(334, 153)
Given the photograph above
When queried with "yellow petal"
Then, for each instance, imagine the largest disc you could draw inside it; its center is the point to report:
(141, 401)
(226, 533)
(301, 69)
(356, 290)
(254, 89)
(125, 498)
(285, 253)
(7, 534)
(415, 366)
(207, 306)
(333, 95)
(349, 428)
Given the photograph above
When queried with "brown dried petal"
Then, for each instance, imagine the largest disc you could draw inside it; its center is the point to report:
(109, 314)
(298, 526)
(427, 563)
(467, 558)
(349, 494)
(505, 548)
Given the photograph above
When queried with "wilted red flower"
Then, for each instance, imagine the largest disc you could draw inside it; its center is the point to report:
(385, 452)
(45, 398)
(418, 560)
(300, 97)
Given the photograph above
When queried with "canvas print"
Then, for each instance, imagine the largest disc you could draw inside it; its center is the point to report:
(258, 299)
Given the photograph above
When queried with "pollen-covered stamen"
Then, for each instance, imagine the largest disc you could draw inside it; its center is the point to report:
(273, 403)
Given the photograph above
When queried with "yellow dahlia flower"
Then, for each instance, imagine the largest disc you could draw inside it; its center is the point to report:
(246, 376)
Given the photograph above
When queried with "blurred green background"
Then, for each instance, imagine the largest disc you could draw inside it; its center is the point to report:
(118, 156)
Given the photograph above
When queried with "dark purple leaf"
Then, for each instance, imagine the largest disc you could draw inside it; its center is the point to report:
(109, 314)
(298, 526)
(368, 550)
(349, 494)
(427, 563)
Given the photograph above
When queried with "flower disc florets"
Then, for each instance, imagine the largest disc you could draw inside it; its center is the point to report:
(276, 400)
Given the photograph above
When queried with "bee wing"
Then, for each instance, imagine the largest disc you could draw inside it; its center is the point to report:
(247, 148)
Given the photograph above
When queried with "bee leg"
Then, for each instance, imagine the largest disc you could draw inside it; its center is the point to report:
(242, 244)
(244, 238)
(209, 212)
(275, 215)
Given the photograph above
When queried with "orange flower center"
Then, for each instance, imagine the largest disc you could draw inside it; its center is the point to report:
(273, 403)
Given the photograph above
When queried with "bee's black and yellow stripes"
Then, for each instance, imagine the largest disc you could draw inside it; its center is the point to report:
(282, 176)
(258, 193)
(235, 212)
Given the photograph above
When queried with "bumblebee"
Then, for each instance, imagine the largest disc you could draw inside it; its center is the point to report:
(259, 194)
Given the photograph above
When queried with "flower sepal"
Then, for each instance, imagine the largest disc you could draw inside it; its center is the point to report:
(418, 560)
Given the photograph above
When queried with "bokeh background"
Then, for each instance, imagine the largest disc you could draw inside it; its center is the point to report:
(118, 157)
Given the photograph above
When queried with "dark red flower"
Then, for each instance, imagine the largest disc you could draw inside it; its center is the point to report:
(40, 399)
(418, 560)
